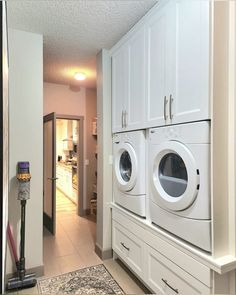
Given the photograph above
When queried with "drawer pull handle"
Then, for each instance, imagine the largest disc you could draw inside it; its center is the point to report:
(122, 244)
(175, 290)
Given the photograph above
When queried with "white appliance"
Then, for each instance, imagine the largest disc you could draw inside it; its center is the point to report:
(129, 171)
(179, 173)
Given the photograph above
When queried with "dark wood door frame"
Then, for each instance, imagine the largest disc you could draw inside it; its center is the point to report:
(50, 222)
(80, 156)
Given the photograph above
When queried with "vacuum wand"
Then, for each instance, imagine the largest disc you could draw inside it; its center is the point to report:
(22, 280)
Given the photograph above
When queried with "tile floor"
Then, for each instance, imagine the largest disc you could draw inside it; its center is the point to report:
(73, 248)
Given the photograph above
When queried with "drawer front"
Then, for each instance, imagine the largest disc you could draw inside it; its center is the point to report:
(196, 269)
(165, 277)
(128, 247)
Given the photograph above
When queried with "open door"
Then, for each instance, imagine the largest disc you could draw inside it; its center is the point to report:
(49, 175)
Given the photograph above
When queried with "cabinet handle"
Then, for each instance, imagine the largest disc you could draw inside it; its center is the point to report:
(171, 101)
(168, 285)
(122, 119)
(165, 103)
(122, 244)
(126, 115)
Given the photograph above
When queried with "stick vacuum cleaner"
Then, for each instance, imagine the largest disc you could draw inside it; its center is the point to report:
(22, 280)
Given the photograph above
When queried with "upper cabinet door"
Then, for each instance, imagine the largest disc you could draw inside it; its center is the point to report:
(135, 108)
(156, 34)
(119, 87)
(190, 90)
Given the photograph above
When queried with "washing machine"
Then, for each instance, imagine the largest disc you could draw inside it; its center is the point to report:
(179, 175)
(129, 175)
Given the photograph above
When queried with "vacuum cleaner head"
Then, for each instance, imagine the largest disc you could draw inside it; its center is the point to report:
(28, 281)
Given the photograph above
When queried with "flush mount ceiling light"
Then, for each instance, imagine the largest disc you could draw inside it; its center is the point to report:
(80, 76)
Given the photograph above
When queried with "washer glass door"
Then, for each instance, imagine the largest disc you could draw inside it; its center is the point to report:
(175, 180)
(125, 166)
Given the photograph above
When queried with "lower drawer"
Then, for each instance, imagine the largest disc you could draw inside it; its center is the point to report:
(165, 277)
(129, 247)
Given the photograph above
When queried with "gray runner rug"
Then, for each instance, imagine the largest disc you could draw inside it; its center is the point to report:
(90, 280)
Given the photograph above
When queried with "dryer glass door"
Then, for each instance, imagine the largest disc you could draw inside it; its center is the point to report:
(173, 175)
(175, 181)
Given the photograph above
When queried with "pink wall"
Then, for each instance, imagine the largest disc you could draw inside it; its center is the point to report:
(62, 100)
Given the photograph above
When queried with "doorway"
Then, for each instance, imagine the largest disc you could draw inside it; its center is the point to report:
(69, 234)
(63, 167)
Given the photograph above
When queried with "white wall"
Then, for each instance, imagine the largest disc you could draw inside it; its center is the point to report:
(65, 101)
(91, 142)
(5, 134)
(103, 240)
(26, 138)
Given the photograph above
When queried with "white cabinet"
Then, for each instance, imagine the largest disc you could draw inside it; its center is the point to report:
(129, 247)
(158, 62)
(161, 70)
(164, 268)
(178, 63)
(119, 87)
(128, 84)
(135, 108)
(191, 83)
(165, 277)
(64, 181)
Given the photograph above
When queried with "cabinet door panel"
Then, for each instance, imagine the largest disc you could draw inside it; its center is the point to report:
(136, 84)
(119, 86)
(156, 33)
(191, 88)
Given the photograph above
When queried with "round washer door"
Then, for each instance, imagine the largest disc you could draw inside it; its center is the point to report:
(126, 167)
(174, 176)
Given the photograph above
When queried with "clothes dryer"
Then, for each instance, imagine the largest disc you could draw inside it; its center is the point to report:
(179, 173)
(129, 174)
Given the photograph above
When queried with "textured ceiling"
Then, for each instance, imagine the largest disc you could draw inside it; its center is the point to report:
(75, 31)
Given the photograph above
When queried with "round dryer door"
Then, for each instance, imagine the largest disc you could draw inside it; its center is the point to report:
(125, 167)
(175, 177)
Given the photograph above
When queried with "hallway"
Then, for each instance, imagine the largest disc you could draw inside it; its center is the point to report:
(73, 248)
(73, 245)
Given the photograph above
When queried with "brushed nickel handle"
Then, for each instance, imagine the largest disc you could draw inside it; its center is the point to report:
(126, 115)
(169, 286)
(165, 104)
(171, 101)
(122, 119)
(122, 244)
(52, 178)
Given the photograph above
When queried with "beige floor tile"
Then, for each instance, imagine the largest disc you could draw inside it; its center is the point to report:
(51, 270)
(88, 255)
(73, 248)
(29, 291)
(58, 246)
(70, 263)
(125, 278)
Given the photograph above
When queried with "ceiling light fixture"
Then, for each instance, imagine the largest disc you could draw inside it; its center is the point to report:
(80, 76)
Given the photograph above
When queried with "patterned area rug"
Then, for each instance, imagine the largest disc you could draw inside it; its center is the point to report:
(90, 280)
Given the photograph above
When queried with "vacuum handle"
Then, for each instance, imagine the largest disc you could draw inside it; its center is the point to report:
(12, 243)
